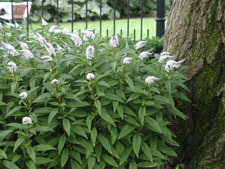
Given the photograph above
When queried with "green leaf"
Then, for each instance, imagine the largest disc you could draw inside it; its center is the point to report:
(182, 96)
(80, 131)
(14, 110)
(66, 126)
(108, 159)
(76, 156)
(167, 150)
(4, 133)
(103, 83)
(43, 129)
(105, 143)
(113, 65)
(141, 114)
(163, 100)
(42, 160)
(125, 154)
(93, 136)
(2, 154)
(127, 129)
(10, 165)
(75, 165)
(89, 121)
(147, 151)
(30, 165)
(64, 157)
(61, 143)
(108, 118)
(42, 98)
(153, 125)
(52, 115)
(31, 153)
(133, 165)
(136, 144)
(98, 107)
(43, 147)
(91, 162)
(147, 165)
(98, 152)
(18, 142)
(120, 111)
(168, 86)
(111, 96)
(130, 83)
(115, 104)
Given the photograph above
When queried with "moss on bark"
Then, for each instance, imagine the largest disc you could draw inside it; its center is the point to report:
(196, 31)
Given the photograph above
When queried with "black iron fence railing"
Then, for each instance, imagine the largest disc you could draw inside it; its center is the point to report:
(160, 17)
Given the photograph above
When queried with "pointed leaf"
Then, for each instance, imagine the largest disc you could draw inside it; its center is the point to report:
(127, 129)
(136, 144)
(66, 126)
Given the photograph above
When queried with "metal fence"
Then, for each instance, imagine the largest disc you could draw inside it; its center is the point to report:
(160, 17)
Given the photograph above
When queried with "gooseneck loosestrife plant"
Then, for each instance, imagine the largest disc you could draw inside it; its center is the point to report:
(77, 101)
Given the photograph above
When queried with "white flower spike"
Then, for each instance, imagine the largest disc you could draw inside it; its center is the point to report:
(40, 39)
(23, 95)
(140, 44)
(171, 64)
(46, 58)
(76, 39)
(54, 29)
(1, 26)
(9, 24)
(58, 47)
(90, 76)
(150, 79)
(12, 67)
(90, 52)
(23, 45)
(114, 42)
(27, 120)
(43, 22)
(54, 81)
(163, 56)
(144, 55)
(50, 49)
(27, 54)
(127, 60)
(17, 26)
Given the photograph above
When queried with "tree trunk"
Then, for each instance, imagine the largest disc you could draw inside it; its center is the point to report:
(196, 32)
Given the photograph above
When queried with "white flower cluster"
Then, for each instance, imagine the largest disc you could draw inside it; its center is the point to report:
(12, 67)
(140, 44)
(9, 49)
(1, 25)
(43, 22)
(90, 52)
(127, 60)
(50, 49)
(90, 76)
(163, 56)
(27, 54)
(76, 39)
(150, 79)
(23, 45)
(46, 58)
(144, 55)
(23, 95)
(114, 41)
(27, 120)
(40, 39)
(54, 81)
(88, 34)
(171, 64)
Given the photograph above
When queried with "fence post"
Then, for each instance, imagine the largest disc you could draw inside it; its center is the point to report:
(27, 18)
(12, 9)
(57, 14)
(160, 18)
(72, 16)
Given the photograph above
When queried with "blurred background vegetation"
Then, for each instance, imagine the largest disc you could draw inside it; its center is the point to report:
(93, 9)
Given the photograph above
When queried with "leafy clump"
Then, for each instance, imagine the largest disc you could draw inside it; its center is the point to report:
(84, 102)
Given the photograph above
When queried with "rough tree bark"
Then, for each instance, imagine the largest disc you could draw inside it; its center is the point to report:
(196, 31)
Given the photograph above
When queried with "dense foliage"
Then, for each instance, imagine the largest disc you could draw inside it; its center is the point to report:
(90, 104)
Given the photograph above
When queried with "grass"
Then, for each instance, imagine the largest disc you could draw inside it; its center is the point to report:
(121, 24)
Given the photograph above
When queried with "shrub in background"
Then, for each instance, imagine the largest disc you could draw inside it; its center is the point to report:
(77, 101)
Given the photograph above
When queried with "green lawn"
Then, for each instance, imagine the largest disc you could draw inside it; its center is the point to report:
(121, 24)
